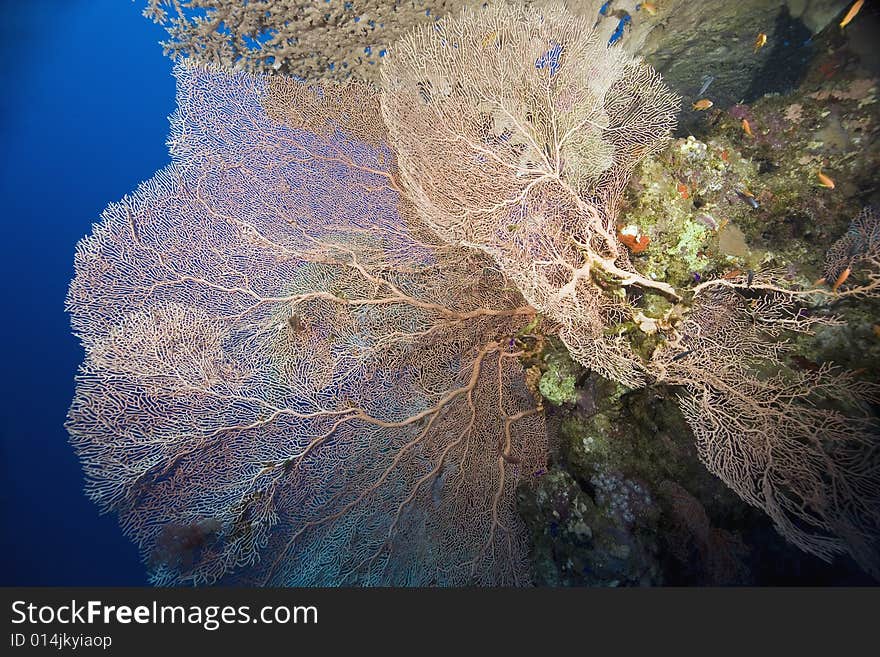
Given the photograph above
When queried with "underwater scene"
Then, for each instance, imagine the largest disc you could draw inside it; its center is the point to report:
(471, 294)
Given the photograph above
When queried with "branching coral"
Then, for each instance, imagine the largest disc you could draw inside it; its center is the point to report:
(856, 252)
(801, 445)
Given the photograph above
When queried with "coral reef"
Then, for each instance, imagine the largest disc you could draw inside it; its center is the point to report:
(506, 222)
(685, 201)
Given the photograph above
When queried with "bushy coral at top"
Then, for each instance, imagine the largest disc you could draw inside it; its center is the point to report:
(323, 39)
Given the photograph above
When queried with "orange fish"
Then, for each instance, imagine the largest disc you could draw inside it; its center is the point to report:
(760, 40)
(747, 128)
(650, 7)
(856, 7)
(702, 104)
(825, 181)
(683, 190)
(724, 155)
(840, 279)
(733, 273)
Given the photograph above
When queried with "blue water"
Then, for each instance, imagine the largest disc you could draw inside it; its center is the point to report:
(83, 119)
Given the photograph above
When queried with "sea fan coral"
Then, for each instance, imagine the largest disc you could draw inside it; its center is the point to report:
(278, 351)
(520, 145)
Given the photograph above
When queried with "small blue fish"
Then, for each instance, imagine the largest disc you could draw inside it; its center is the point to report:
(707, 80)
(617, 35)
(550, 59)
(682, 354)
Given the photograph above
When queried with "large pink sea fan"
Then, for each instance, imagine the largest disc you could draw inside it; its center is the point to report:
(287, 380)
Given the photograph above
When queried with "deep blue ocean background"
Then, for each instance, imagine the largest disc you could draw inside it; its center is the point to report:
(83, 120)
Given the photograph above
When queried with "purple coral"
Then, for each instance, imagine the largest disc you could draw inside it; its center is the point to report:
(280, 357)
